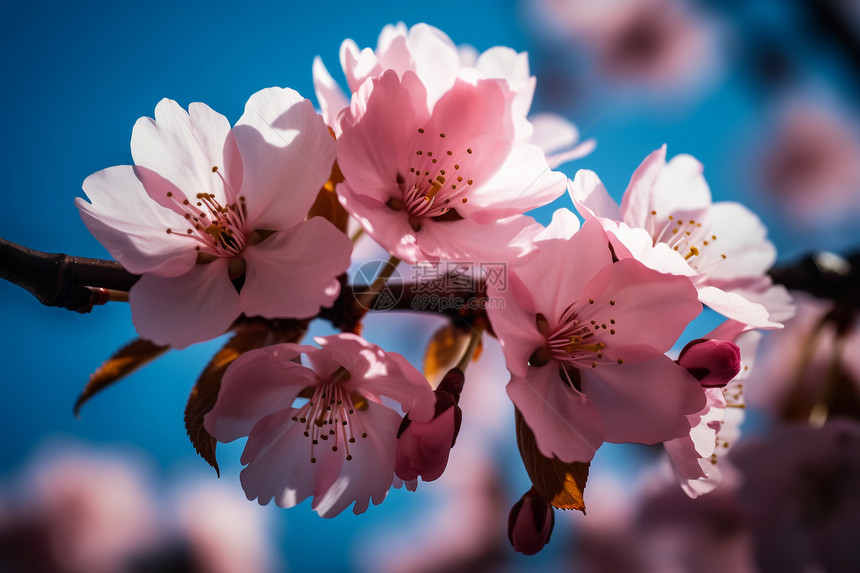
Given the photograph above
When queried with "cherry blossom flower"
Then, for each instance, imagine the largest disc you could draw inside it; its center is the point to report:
(584, 338)
(667, 221)
(431, 55)
(205, 206)
(447, 182)
(698, 459)
(78, 511)
(808, 162)
(338, 446)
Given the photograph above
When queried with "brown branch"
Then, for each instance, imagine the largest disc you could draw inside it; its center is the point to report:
(78, 283)
(61, 280)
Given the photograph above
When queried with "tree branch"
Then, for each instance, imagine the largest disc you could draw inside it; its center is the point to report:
(77, 283)
(56, 279)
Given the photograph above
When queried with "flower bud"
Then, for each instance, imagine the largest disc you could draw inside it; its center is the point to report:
(530, 523)
(423, 447)
(713, 362)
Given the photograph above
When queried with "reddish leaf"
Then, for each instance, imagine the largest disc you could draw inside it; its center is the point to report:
(561, 484)
(327, 204)
(125, 361)
(249, 334)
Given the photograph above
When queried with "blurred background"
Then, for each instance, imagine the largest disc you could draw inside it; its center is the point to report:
(763, 92)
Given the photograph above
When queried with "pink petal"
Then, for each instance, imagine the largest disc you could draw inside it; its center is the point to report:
(651, 309)
(636, 203)
(258, 383)
(358, 65)
(557, 276)
(133, 227)
(505, 63)
(422, 450)
(387, 227)
(376, 372)
(736, 307)
(591, 197)
(278, 458)
(565, 422)
(293, 273)
(522, 183)
(182, 310)
(514, 326)
(680, 188)
(370, 473)
(468, 240)
(376, 143)
(437, 61)
(177, 152)
(645, 402)
(287, 152)
(741, 237)
(329, 95)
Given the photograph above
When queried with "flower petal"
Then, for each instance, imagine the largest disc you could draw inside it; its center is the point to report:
(178, 311)
(177, 151)
(591, 197)
(293, 273)
(277, 456)
(258, 383)
(566, 424)
(287, 152)
(369, 474)
(644, 403)
(329, 94)
(133, 227)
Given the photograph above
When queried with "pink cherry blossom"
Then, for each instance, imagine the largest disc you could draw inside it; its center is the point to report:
(667, 221)
(447, 182)
(698, 458)
(337, 447)
(437, 62)
(584, 338)
(205, 205)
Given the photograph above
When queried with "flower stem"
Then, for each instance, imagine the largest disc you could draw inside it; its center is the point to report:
(477, 331)
(367, 299)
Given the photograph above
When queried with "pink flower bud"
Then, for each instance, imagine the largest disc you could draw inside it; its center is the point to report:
(423, 447)
(530, 523)
(713, 362)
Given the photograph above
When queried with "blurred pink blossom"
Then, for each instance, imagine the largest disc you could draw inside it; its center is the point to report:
(664, 46)
(801, 492)
(809, 163)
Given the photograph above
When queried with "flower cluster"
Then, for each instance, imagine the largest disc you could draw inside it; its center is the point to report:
(434, 154)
